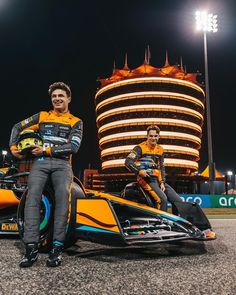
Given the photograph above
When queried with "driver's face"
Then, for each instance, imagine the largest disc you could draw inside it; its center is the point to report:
(152, 137)
(60, 100)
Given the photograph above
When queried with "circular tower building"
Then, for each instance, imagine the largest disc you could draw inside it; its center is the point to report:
(130, 100)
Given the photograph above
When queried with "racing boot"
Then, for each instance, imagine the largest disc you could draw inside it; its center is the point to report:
(209, 234)
(54, 258)
(30, 256)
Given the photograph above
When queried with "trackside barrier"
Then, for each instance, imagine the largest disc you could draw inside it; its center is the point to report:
(211, 201)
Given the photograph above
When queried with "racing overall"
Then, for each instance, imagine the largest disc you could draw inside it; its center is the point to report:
(62, 134)
(143, 156)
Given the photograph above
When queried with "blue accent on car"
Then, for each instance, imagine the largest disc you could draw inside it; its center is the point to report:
(57, 243)
(95, 229)
(47, 212)
(174, 217)
(40, 159)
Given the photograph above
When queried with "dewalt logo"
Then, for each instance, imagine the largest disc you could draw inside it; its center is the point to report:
(9, 227)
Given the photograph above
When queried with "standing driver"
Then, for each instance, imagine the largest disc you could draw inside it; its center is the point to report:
(146, 160)
(62, 134)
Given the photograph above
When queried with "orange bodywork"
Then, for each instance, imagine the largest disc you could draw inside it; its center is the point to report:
(101, 218)
(7, 198)
(111, 197)
(4, 170)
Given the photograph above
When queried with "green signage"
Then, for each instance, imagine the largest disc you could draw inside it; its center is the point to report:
(223, 201)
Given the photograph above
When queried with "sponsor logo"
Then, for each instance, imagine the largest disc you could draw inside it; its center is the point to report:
(192, 199)
(227, 201)
(48, 132)
(64, 127)
(9, 227)
(203, 201)
(211, 201)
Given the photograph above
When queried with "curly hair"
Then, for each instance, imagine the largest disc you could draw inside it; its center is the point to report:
(59, 85)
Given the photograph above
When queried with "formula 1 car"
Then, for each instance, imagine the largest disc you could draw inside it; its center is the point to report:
(122, 220)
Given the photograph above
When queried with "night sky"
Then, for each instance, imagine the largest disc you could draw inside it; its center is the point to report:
(43, 41)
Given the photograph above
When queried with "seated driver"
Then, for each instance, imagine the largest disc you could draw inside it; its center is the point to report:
(146, 160)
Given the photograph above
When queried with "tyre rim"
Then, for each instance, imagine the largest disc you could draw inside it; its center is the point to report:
(45, 212)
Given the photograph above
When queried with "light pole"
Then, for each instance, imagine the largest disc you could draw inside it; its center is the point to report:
(4, 153)
(208, 23)
(228, 175)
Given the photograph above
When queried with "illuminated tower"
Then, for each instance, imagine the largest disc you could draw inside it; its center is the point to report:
(130, 100)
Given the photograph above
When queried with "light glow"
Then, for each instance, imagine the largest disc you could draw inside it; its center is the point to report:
(167, 162)
(167, 148)
(143, 134)
(180, 149)
(150, 94)
(150, 80)
(151, 107)
(206, 22)
(149, 121)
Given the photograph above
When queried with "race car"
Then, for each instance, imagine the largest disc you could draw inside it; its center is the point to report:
(123, 219)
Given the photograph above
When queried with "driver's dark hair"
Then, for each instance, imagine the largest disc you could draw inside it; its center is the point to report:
(153, 127)
(59, 85)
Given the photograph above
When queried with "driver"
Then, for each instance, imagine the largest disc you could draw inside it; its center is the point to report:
(146, 160)
(62, 134)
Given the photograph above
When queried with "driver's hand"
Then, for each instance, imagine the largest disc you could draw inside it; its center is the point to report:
(17, 154)
(37, 151)
(143, 173)
(162, 186)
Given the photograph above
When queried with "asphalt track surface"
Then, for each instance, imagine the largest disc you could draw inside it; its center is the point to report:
(188, 268)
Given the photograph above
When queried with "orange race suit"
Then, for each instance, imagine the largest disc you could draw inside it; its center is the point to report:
(62, 135)
(151, 159)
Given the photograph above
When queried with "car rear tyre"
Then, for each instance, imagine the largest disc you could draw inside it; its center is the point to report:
(46, 218)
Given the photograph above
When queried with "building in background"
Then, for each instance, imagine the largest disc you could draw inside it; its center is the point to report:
(130, 100)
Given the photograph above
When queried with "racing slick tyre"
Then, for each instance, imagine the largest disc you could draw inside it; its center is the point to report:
(46, 218)
(77, 192)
